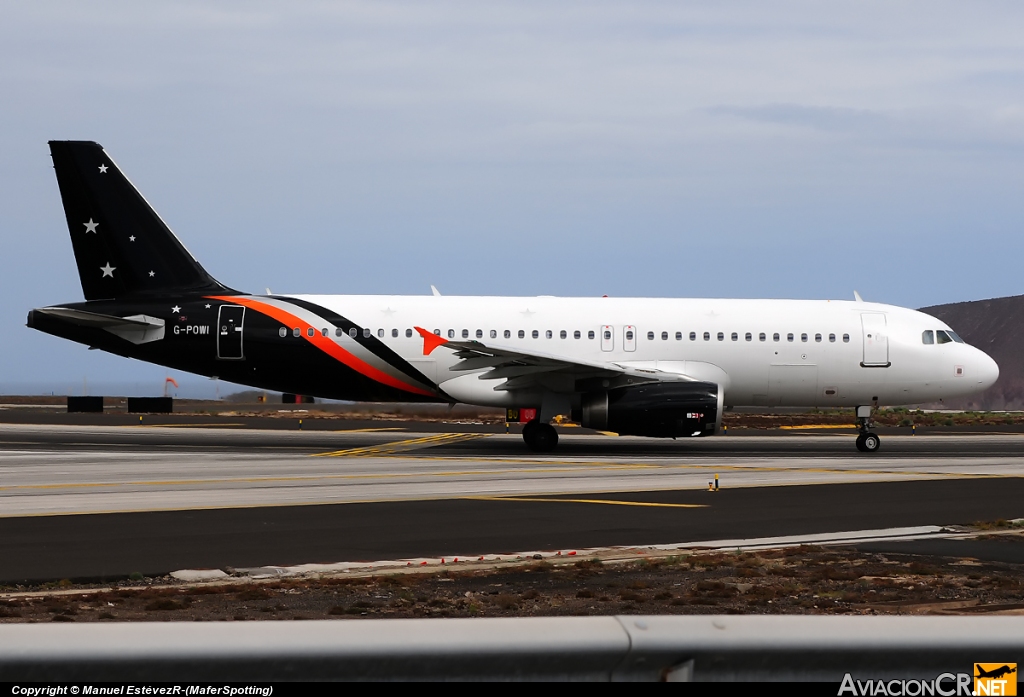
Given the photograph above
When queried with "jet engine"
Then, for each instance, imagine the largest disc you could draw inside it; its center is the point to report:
(658, 410)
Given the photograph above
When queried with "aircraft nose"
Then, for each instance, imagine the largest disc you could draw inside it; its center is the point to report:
(986, 370)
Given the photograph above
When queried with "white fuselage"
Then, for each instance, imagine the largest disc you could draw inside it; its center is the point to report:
(811, 353)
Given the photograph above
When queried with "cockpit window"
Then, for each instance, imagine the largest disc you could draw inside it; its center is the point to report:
(955, 336)
(943, 337)
(928, 337)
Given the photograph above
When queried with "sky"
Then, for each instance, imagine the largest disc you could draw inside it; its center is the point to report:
(742, 149)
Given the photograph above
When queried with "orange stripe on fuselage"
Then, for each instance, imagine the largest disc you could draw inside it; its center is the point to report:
(324, 343)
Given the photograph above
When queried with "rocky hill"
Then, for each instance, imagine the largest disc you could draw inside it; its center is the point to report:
(995, 326)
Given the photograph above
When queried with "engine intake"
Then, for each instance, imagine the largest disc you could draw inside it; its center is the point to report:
(658, 410)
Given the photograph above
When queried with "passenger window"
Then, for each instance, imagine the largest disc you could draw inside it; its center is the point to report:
(352, 332)
(494, 334)
(338, 331)
(451, 333)
(548, 334)
(817, 338)
(664, 336)
(761, 337)
(679, 336)
(693, 336)
(590, 334)
(522, 334)
(943, 337)
(928, 337)
(310, 331)
(735, 336)
(832, 338)
(563, 335)
(535, 334)
(507, 334)
(380, 333)
(479, 333)
(707, 336)
(775, 336)
(803, 337)
(721, 336)
(576, 334)
(789, 337)
(296, 332)
(366, 332)
(282, 332)
(325, 332)
(408, 333)
(437, 332)
(650, 336)
(394, 333)
(465, 333)
(748, 336)
(846, 338)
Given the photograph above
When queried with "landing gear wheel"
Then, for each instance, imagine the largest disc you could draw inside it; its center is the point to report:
(868, 442)
(541, 438)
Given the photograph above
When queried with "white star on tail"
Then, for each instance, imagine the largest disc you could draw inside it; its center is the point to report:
(152, 273)
(90, 226)
(132, 238)
(107, 270)
(175, 309)
(103, 169)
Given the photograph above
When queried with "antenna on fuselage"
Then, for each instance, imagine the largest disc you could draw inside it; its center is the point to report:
(856, 296)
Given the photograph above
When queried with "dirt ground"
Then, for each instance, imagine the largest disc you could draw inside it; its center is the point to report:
(799, 580)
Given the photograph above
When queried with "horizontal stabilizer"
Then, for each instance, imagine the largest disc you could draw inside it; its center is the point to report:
(138, 329)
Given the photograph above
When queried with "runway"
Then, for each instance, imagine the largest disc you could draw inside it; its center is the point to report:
(92, 501)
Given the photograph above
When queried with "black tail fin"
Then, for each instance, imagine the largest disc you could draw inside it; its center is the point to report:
(121, 245)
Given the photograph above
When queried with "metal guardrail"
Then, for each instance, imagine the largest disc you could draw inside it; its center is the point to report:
(712, 647)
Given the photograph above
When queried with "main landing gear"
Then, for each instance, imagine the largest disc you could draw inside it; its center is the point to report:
(540, 437)
(867, 442)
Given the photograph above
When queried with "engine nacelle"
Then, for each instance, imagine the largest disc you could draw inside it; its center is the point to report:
(658, 410)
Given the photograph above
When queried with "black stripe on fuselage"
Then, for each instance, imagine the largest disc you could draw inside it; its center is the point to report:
(370, 343)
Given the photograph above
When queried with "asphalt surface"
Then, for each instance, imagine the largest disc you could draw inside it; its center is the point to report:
(115, 545)
(95, 501)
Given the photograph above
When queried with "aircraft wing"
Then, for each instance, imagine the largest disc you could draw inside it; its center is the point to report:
(522, 369)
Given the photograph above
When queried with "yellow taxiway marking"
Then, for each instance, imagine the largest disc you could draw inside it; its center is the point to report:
(610, 502)
(290, 430)
(803, 427)
(490, 472)
(402, 446)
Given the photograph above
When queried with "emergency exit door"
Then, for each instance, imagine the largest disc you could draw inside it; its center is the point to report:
(229, 332)
(876, 340)
(607, 337)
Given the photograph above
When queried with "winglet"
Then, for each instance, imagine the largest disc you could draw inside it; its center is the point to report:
(856, 296)
(430, 340)
(435, 292)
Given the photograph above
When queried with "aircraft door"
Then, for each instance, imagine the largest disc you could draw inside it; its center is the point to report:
(629, 338)
(229, 332)
(607, 337)
(876, 340)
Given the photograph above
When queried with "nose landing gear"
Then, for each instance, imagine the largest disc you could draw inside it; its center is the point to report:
(540, 437)
(867, 442)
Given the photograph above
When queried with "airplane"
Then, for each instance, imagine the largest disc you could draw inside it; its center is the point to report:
(996, 672)
(634, 366)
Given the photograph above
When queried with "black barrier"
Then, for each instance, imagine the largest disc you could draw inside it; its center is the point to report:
(150, 405)
(77, 405)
